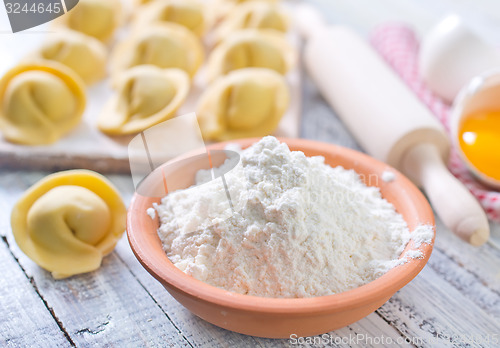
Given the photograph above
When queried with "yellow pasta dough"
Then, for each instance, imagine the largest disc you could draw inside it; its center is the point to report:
(223, 8)
(96, 18)
(146, 96)
(162, 45)
(68, 221)
(251, 48)
(83, 54)
(142, 2)
(188, 13)
(245, 103)
(40, 102)
(253, 14)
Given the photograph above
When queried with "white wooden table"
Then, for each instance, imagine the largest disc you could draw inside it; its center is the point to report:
(121, 305)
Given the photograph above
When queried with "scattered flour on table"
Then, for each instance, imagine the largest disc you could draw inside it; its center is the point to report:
(305, 229)
(151, 212)
(388, 176)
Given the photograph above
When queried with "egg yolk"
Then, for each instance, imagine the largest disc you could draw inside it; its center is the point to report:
(479, 136)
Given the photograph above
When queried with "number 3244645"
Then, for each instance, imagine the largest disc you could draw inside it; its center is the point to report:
(15, 7)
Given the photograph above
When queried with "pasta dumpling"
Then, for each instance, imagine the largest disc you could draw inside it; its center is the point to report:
(253, 14)
(188, 13)
(40, 102)
(162, 45)
(245, 103)
(142, 2)
(224, 7)
(146, 96)
(83, 54)
(68, 221)
(96, 18)
(251, 48)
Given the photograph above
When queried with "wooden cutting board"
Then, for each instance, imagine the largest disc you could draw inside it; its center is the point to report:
(85, 146)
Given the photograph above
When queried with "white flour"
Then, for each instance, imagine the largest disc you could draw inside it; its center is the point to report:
(305, 229)
(388, 176)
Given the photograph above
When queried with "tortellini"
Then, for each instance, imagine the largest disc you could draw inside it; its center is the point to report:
(188, 13)
(96, 18)
(69, 221)
(245, 103)
(142, 2)
(83, 54)
(251, 48)
(224, 7)
(253, 14)
(40, 102)
(162, 45)
(146, 96)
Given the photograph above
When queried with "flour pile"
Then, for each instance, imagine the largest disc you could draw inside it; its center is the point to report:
(305, 229)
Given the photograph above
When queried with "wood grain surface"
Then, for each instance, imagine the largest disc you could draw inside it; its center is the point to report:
(121, 305)
(85, 146)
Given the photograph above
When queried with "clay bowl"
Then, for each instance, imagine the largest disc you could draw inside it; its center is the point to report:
(273, 317)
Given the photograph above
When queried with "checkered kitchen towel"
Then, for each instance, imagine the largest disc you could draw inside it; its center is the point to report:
(398, 45)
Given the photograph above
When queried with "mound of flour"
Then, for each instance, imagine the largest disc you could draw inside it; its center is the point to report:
(304, 228)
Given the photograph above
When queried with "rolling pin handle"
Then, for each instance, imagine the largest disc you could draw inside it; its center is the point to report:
(456, 206)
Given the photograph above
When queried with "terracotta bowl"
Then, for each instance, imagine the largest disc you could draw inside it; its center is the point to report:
(279, 317)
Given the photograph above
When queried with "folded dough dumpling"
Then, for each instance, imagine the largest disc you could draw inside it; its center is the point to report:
(146, 95)
(82, 53)
(253, 14)
(251, 48)
(96, 18)
(245, 103)
(162, 45)
(223, 8)
(40, 102)
(142, 2)
(188, 13)
(68, 221)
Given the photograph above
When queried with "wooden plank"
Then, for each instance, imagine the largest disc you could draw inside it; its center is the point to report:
(106, 307)
(409, 310)
(201, 334)
(24, 318)
(494, 241)
(467, 283)
(87, 147)
(415, 306)
(319, 122)
(430, 309)
(481, 262)
(368, 331)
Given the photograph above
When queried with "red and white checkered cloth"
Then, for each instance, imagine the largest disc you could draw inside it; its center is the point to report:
(398, 45)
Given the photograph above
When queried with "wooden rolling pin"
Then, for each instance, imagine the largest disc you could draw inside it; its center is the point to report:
(388, 120)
